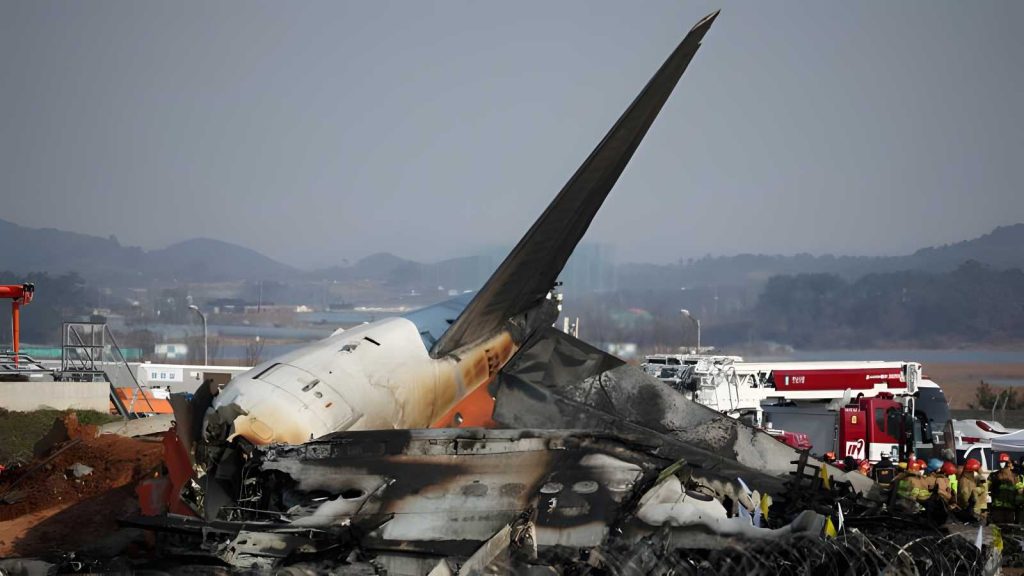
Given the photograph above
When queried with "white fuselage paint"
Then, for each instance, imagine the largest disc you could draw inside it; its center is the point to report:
(372, 377)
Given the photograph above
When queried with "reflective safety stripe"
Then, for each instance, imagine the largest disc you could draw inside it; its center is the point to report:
(1005, 496)
(953, 483)
(904, 489)
(920, 494)
(980, 497)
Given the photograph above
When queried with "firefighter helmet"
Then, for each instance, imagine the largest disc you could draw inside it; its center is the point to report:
(948, 468)
(916, 464)
(1004, 457)
(972, 465)
(934, 464)
(864, 466)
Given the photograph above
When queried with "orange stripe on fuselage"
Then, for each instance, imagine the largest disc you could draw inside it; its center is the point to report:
(479, 366)
(475, 410)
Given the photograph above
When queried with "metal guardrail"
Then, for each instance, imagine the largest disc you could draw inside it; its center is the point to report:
(21, 365)
(89, 351)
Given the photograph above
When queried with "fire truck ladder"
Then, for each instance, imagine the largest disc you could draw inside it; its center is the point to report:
(716, 383)
(89, 353)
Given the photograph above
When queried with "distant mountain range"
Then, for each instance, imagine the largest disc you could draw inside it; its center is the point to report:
(104, 261)
(1002, 248)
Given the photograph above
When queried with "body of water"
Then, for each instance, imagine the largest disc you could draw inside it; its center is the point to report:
(171, 331)
(347, 317)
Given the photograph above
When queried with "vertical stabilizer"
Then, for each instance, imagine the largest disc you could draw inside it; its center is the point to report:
(531, 269)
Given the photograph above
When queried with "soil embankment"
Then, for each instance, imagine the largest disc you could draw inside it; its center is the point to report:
(72, 493)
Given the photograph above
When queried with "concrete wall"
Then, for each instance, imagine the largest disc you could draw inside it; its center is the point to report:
(28, 396)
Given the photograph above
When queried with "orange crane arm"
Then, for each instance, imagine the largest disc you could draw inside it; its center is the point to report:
(19, 295)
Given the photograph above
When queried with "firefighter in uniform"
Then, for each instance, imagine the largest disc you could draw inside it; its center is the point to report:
(912, 489)
(884, 472)
(948, 470)
(971, 490)
(936, 503)
(849, 464)
(1003, 487)
(939, 482)
(1019, 485)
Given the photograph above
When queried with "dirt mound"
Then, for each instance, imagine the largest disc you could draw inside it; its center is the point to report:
(115, 461)
(75, 490)
(76, 430)
(66, 427)
(23, 433)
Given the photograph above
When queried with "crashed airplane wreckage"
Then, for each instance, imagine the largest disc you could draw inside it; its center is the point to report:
(353, 451)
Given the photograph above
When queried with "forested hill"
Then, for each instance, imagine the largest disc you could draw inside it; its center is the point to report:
(1003, 248)
(974, 304)
(104, 261)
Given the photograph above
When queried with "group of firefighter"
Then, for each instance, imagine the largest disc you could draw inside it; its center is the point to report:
(940, 487)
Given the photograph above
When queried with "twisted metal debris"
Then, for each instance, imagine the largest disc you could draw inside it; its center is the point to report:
(852, 552)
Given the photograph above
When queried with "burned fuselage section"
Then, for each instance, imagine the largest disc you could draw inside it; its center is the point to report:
(443, 493)
(433, 489)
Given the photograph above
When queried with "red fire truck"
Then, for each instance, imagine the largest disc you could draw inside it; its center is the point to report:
(859, 409)
(872, 427)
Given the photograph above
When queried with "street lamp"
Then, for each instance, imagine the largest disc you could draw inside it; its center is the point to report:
(206, 340)
(686, 314)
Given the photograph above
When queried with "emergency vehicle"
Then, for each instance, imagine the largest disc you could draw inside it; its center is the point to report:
(857, 409)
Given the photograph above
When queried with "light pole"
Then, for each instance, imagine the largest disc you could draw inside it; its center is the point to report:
(686, 314)
(206, 340)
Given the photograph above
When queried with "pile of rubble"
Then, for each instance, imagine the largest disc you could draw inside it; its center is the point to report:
(74, 490)
(634, 479)
(324, 460)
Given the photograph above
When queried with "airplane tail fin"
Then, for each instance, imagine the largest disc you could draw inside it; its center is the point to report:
(532, 268)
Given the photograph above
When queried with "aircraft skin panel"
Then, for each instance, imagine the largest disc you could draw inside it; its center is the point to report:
(532, 268)
(374, 377)
(475, 410)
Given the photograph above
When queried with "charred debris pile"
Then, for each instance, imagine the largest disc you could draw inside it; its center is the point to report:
(469, 501)
(355, 455)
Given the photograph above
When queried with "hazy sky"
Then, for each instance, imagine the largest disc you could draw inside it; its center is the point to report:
(319, 131)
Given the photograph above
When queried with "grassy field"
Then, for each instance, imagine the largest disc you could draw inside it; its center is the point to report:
(960, 380)
(20, 430)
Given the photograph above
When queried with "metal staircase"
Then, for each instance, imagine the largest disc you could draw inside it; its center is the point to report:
(89, 353)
